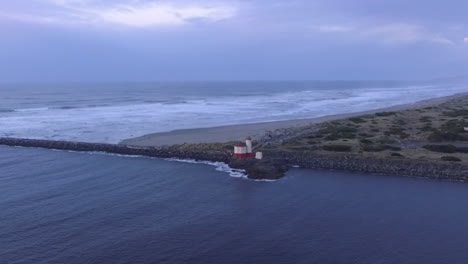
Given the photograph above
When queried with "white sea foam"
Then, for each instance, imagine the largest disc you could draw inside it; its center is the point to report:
(108, 123)
(220, 166)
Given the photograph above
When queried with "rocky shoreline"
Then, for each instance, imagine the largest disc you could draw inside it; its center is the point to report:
(400, 167)
(274, 166)
(157, 152)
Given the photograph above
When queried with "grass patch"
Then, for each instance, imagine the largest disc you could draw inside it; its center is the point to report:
(456, 113)
(441, 148)
(337, 148)
(427, 128)
(357, 120)
(454, 126)
(440, 136)
(366, 141)
(450, 158)
(385, 114)
(400, 122)
(425, 119)
(333, 129)
(379, 148)
(334, 132)
(399, 131)
(462, 149)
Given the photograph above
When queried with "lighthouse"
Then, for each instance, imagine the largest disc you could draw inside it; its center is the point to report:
(248, 143)
(243, 149)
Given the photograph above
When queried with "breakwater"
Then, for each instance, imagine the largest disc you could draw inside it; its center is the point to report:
(389, 166)
(157, 152)
(402, 167)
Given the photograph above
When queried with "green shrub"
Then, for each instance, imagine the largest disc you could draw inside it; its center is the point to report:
(302, 148)
(456, 113)
(332, 129)
(400, 122)
(462, 149)
(450, 158)
(438, 136)
(425, 119)
(378, 148)
(337, 148)
(387, 141)
(454, 126)
(385, 113)
(427, 128)
(394, 148)
(332, 137)
(394, 130)
(357, 120)
(338, 132)
(399, 131)
(313, 136)
(365, 141)
(441, 148)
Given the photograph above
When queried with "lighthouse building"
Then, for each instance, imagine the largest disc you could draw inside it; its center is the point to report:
(243, 149)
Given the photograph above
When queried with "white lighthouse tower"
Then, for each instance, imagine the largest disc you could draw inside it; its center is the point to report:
(248, 143)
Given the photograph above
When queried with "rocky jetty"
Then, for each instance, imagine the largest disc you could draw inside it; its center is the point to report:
(387, 166)
(275, 164)
(157, 152)
(270, 169)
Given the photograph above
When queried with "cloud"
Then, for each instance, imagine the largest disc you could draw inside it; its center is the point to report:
(334, 28)
(128, 13)
(392, 33)
(465, 40)
(156, 14)
(405, 33)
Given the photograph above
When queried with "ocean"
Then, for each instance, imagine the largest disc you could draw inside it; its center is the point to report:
(68, 207)
(109, 113)
(77, 207)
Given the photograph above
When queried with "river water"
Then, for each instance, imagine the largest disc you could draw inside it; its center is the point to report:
(70, 207)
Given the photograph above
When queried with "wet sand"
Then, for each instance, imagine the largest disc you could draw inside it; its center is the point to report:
(255, 130)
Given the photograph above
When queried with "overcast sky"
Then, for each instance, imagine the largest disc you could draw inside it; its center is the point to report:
(144, 40)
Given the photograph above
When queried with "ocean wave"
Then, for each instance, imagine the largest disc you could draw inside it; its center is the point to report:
(7, 110)
(94, 122)
(220, 166)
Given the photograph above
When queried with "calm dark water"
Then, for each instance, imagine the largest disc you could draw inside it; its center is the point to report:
(64, 207)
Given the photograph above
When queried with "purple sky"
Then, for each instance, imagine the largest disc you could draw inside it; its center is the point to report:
(144, 40)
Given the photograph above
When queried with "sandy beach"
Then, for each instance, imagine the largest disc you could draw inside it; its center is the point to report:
(255, 130)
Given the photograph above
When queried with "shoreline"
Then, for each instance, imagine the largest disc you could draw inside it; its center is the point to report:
(358, 152)
(402, 168)
(230, 133)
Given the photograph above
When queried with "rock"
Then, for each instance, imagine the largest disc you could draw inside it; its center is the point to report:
(261, 169)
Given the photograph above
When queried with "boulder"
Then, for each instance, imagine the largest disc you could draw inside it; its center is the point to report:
(271, 169)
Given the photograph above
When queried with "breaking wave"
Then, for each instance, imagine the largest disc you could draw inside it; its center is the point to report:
(102, 117)
(220, 166)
